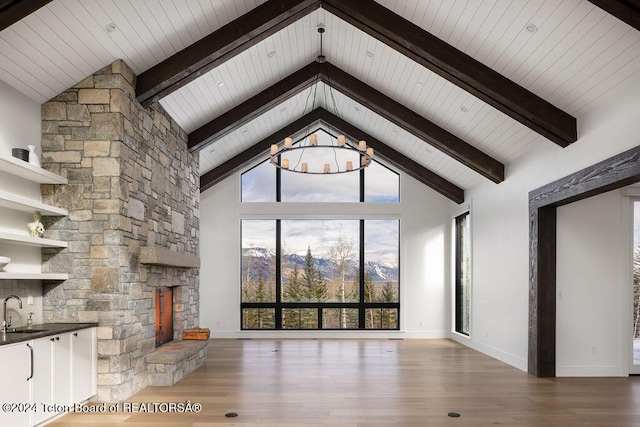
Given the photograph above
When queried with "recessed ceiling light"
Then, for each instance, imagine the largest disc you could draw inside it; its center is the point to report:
(111, 27)
(531, 27)
(369, 54)
(244, 131)
(420, 84)
(464, 109)
(220, 84)
(283, 109)
(211, 150)
(271, 54)
(356, 108)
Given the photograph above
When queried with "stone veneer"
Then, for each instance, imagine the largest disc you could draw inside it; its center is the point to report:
(132, 182)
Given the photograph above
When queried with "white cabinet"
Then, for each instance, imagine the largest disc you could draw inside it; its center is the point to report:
(62, 369)
(14, 201)
(15, 371)
(47, 373)
(84, 362)
(42, 381)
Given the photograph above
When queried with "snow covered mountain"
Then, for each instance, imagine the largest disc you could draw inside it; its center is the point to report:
(262, 260)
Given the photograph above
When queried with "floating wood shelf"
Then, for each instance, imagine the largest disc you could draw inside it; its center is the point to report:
(30, 172)
(155, 255)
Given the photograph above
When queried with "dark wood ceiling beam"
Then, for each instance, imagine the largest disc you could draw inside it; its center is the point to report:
(218, 47)
(395, 158)
(625, 10)
(360, 92)
(413, 123)
(257, 105)
(11, 11)
(261, 148)
(458, 68)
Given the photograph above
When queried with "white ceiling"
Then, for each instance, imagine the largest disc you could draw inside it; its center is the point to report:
(577, 55)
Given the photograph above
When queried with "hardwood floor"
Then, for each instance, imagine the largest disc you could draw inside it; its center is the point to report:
(375, 383)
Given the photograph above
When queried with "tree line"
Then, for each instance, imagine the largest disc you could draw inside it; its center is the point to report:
(310, 285)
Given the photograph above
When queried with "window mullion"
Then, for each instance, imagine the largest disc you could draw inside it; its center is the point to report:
(278, 313)
(361, 310)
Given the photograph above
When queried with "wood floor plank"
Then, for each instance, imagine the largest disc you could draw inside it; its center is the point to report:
(356, 383)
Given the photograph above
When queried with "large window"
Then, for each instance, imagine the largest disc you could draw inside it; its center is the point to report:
(320, 274)
(462, 273)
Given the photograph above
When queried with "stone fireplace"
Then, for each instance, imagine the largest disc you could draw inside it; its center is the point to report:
(133, 191)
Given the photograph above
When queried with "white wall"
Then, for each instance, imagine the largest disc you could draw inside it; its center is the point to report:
(501, 234)
(19, 120)
(592, 325)
(424, 274)
(19, 127)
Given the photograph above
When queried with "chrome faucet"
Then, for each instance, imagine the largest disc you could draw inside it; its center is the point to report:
(5, 325)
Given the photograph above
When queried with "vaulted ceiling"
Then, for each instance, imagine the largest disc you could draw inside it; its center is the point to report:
(449, 91)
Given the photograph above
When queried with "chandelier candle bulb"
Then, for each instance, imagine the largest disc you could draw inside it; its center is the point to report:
(274, 149)
(362, 146)
(349, 165)
(313, 139)
(305, 167)
(370, 152)
(364, 161)
(341, 140)
(285, 163)
(288, 143)
(327, 168)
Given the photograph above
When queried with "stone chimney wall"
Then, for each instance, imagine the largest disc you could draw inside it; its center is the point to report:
(132, 183)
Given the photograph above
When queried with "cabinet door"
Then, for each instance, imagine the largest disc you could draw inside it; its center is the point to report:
(15, 372)
(62, 369)
(42, 381)
(83, 364)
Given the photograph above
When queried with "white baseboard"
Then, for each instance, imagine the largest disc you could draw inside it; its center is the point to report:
(328, 334)
(590, 371)
(508, 358)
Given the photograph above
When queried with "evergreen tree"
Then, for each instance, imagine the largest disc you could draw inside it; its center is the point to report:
(389, 316)
(388, 293)
(313, 283)
(370, 294)
(293, 291)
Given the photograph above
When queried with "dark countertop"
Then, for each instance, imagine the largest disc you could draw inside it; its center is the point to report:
(44, 330)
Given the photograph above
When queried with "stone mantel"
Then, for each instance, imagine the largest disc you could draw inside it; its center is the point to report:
(157, 255)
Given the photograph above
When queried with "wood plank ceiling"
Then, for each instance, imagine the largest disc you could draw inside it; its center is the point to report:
(452, 89)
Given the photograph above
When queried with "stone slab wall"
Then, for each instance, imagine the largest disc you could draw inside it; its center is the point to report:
(132, 183)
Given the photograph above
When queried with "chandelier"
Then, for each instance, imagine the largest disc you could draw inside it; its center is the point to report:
(308, 156)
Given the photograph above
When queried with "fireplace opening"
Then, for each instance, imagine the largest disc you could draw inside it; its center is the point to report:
(164, 315)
